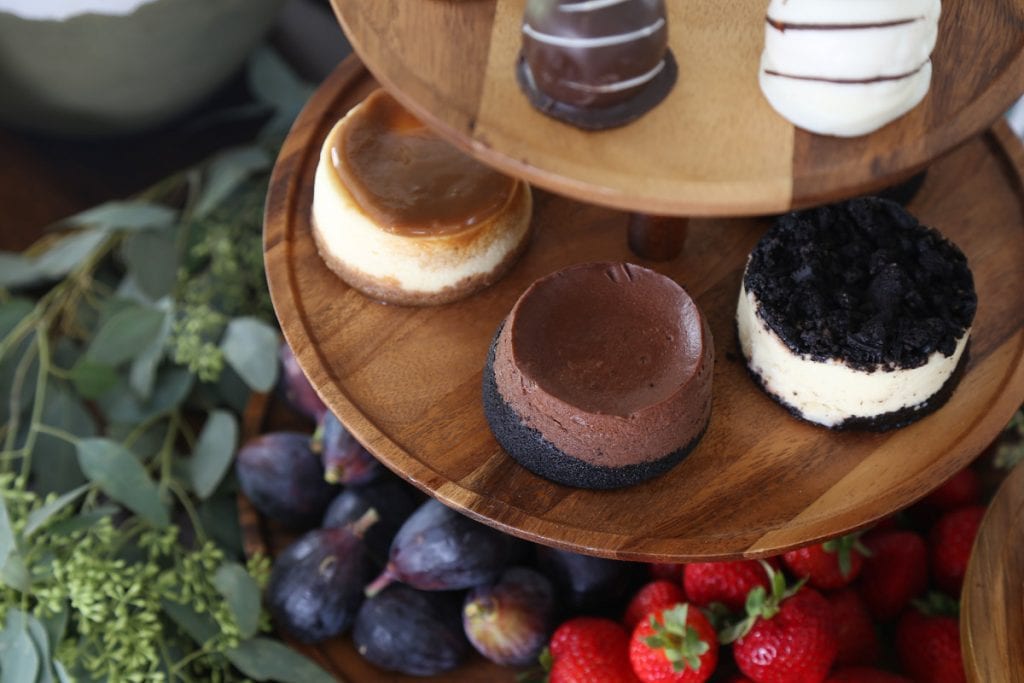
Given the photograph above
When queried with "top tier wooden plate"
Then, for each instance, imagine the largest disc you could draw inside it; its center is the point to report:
(407, 381)
(992, 607)
(714, 147)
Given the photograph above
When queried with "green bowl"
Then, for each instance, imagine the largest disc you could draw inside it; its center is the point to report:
(100, 74)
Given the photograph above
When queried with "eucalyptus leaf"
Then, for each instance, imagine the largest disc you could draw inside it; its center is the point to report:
(214, 450)
(62, 673)
(226, 173)
(17, 270)
(250, 348)
(263, 659)
(126, 335)
(40, 516)
(21, 401)
(56, 262)
(126, 215)
(143, 370)
(12, 311)
(170, 390)
(83, 520)
(19, 659)
(199, 627)
(273, 82)
(62, 257)
(219, 516)
(56, 625)
(93, 379)
(42, 643)
(242, 594)
(7, 544)
(152, 261)
(121, 476)
(15, 574)
(55, 461)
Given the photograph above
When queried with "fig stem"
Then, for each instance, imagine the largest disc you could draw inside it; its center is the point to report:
(334, 474)
(386, 578)
(361, 525)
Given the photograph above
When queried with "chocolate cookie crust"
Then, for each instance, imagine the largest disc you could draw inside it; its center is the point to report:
(862, 281)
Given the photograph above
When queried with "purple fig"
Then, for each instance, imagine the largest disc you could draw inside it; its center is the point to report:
(438, 549)
(296, 387)
(316, 585)
(412, 632)
(591, 585)
(345, 459)
(509, 622)
(392, 498)
(284, 479)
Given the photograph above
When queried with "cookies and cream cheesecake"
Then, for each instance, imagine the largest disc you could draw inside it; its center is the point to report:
(855, 315)
(847, 67)
(404, 217)
(600, 376)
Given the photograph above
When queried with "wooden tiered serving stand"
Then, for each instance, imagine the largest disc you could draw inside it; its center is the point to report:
(406, 381)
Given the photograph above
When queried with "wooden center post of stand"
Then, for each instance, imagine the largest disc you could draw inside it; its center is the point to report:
(657, 238)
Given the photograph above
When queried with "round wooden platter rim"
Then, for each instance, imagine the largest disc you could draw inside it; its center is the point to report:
(799, 531)
(991, 615)
(845, 173)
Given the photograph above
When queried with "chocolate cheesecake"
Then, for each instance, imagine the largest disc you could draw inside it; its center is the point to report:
(596, 64)
(406, 218)
(600, 377)
(856, 316)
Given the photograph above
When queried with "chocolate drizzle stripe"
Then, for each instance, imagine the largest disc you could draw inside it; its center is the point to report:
(619, 85)
(785, 26)
(846, 81)
(590, 5)
(599, 41)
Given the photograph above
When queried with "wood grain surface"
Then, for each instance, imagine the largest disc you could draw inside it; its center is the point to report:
(714, 147)
(338, 656)
(407, 381)
(992, 604)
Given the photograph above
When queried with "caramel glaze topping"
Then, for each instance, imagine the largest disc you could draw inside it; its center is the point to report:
(409, 181)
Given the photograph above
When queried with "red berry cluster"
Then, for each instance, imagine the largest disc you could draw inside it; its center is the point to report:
(809, 616)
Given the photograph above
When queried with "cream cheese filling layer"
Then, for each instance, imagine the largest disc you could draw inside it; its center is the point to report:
(422, 264)
(830, 392)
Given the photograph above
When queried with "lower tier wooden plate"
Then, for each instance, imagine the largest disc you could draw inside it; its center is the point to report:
(407, 381)
(992, 604)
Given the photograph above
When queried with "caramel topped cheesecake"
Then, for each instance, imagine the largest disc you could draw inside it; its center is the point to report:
(404, 217)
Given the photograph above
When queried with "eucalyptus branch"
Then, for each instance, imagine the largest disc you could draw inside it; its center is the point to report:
(43, 345)
(14, 398)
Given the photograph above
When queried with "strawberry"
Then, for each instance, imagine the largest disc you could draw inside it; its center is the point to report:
(858, 641)
(726, 582)
(788, 636)
(895, 574)
(666, 571)
(654, 597)
(928, 644)
(963, 488)
(674, 645)
(863, 674)
(829, 565)
(737, 678)
(950, 542)
(589, 650)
